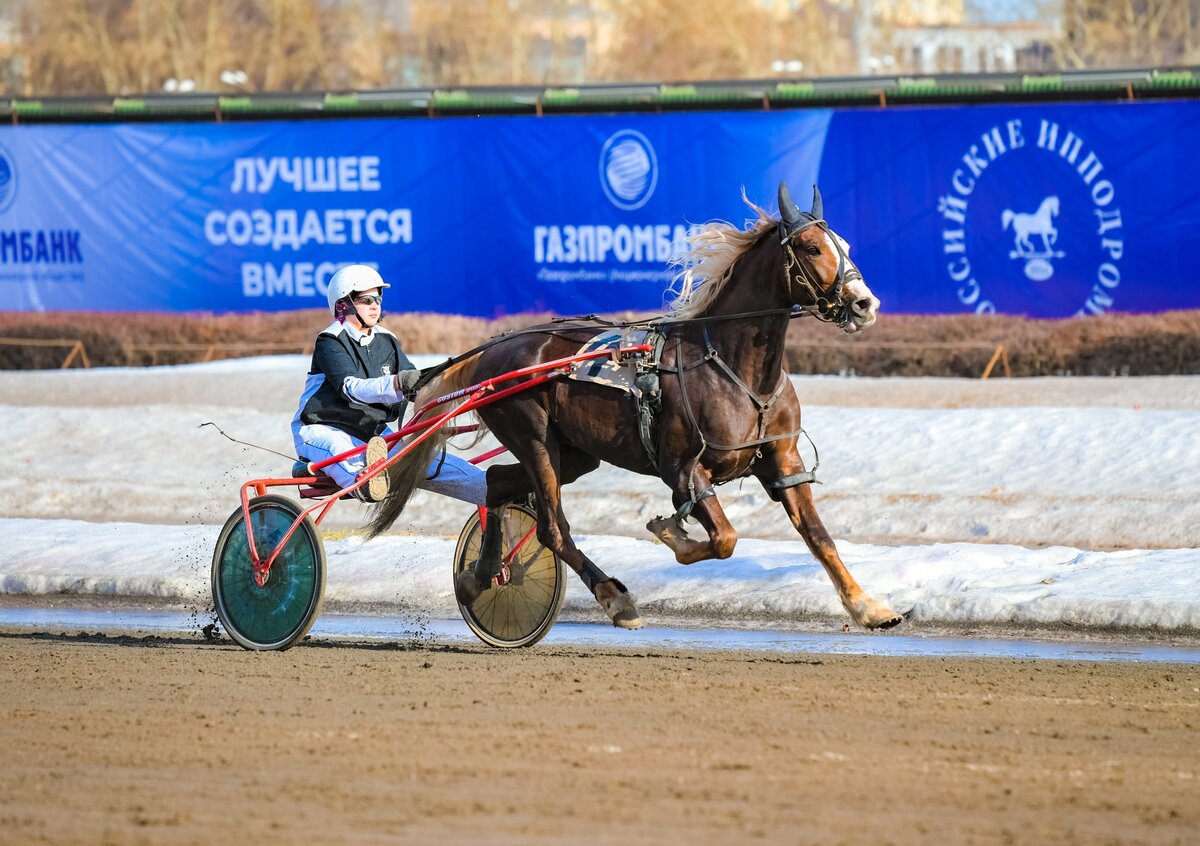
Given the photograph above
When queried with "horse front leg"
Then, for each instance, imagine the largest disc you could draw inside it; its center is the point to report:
(722, 537)
(865, 610)
(783, 461)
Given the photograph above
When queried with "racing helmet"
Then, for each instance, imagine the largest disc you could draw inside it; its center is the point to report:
(352, 278)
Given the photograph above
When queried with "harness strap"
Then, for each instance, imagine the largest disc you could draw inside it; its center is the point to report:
(682, 512)
(809, 478)
(763, 405)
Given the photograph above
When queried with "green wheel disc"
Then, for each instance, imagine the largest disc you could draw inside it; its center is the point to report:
(280, 612)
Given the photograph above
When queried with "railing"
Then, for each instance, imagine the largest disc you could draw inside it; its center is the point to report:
(181, 353)
(763, 94)
(75, 349)
(196, 353)
(999, 351)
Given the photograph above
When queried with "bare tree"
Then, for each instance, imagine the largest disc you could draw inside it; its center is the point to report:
(718, 39)
(132, 46)
(1114, 33)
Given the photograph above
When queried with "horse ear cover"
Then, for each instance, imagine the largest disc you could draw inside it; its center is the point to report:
(818, 209)
(789, 212)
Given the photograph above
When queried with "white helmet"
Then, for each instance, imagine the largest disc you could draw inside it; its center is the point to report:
(351, 278)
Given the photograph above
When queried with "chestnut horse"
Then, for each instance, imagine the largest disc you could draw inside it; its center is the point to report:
(728, 409)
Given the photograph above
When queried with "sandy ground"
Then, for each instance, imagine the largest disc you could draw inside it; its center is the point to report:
(150, 740)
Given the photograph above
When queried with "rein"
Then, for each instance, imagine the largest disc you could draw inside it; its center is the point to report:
(649, 323)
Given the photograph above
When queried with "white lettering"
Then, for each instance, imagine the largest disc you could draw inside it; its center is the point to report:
(1108, 220)
(252, 280)
(1047, 135)
(347, 173)
(214, 224)
(262, 227)
(368, 173)
(286, 234)
(400, 222)
(959, 269)
(291, 172)
(319, 175)
(266, 174)
(994, 143)
(243, 176)
(1102, 193)
(239, 228)
(1015, 138)
(335, 226)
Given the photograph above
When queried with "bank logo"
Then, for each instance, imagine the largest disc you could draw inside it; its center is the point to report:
(628, 169)
(1027, 227)
(998, 212)
(8, 180)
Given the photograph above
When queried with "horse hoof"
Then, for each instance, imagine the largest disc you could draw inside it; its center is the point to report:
(467, 588)
(872, 615)
(888, 622)
(623, 613)
(628, 620)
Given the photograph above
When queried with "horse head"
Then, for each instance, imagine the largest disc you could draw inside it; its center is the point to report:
(817, 266)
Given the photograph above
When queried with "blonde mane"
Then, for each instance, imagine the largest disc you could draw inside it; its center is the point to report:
(706, 266)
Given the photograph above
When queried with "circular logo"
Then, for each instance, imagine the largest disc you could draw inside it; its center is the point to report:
(8, 180)
(1031, 223)
(628, 169)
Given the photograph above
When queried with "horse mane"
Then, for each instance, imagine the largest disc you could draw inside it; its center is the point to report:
(706, 266)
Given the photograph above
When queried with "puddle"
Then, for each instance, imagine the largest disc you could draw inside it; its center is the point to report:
(365, 627)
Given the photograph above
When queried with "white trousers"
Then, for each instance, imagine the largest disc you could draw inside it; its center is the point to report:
(455, 477)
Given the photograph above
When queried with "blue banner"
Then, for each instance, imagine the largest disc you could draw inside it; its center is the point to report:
(1047, 211)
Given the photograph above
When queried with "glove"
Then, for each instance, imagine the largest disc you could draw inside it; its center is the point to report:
(406, 381)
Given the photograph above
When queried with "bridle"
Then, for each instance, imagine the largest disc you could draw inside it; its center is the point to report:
(799, 277)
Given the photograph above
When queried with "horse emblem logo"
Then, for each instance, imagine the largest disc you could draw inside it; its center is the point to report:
(628, 169)
(1025, 228)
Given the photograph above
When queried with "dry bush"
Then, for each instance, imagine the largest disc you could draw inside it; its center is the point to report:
(899, 345)
(961, 345)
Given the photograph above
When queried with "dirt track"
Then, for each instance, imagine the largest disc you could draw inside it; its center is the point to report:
(125, 740)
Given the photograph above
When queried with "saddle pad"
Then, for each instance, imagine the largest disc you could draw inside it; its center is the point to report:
(605, 371)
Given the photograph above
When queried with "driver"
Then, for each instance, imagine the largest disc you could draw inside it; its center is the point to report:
(356, 392)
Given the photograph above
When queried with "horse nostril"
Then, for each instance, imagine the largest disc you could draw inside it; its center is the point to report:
(863, 306)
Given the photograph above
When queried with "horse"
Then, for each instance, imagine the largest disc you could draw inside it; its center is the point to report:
(726, 408)
(1040, 222)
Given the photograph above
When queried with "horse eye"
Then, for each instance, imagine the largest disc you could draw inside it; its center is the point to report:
(814, 251)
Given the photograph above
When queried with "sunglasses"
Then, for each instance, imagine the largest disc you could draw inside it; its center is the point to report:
(369, 299)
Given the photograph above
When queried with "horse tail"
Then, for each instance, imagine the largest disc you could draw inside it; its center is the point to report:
(1006, 218)
(407, 474)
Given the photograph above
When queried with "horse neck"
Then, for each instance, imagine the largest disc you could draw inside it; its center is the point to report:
(753, 346)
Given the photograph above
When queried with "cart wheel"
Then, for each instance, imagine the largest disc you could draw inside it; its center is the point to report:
(519, 611)
(280, 612)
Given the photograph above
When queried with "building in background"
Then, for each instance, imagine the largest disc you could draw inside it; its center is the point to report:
(958, 36)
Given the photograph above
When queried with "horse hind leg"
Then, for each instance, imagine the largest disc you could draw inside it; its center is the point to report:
(506, 484)
(722, 538)
(549, 466)
(554, 532)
